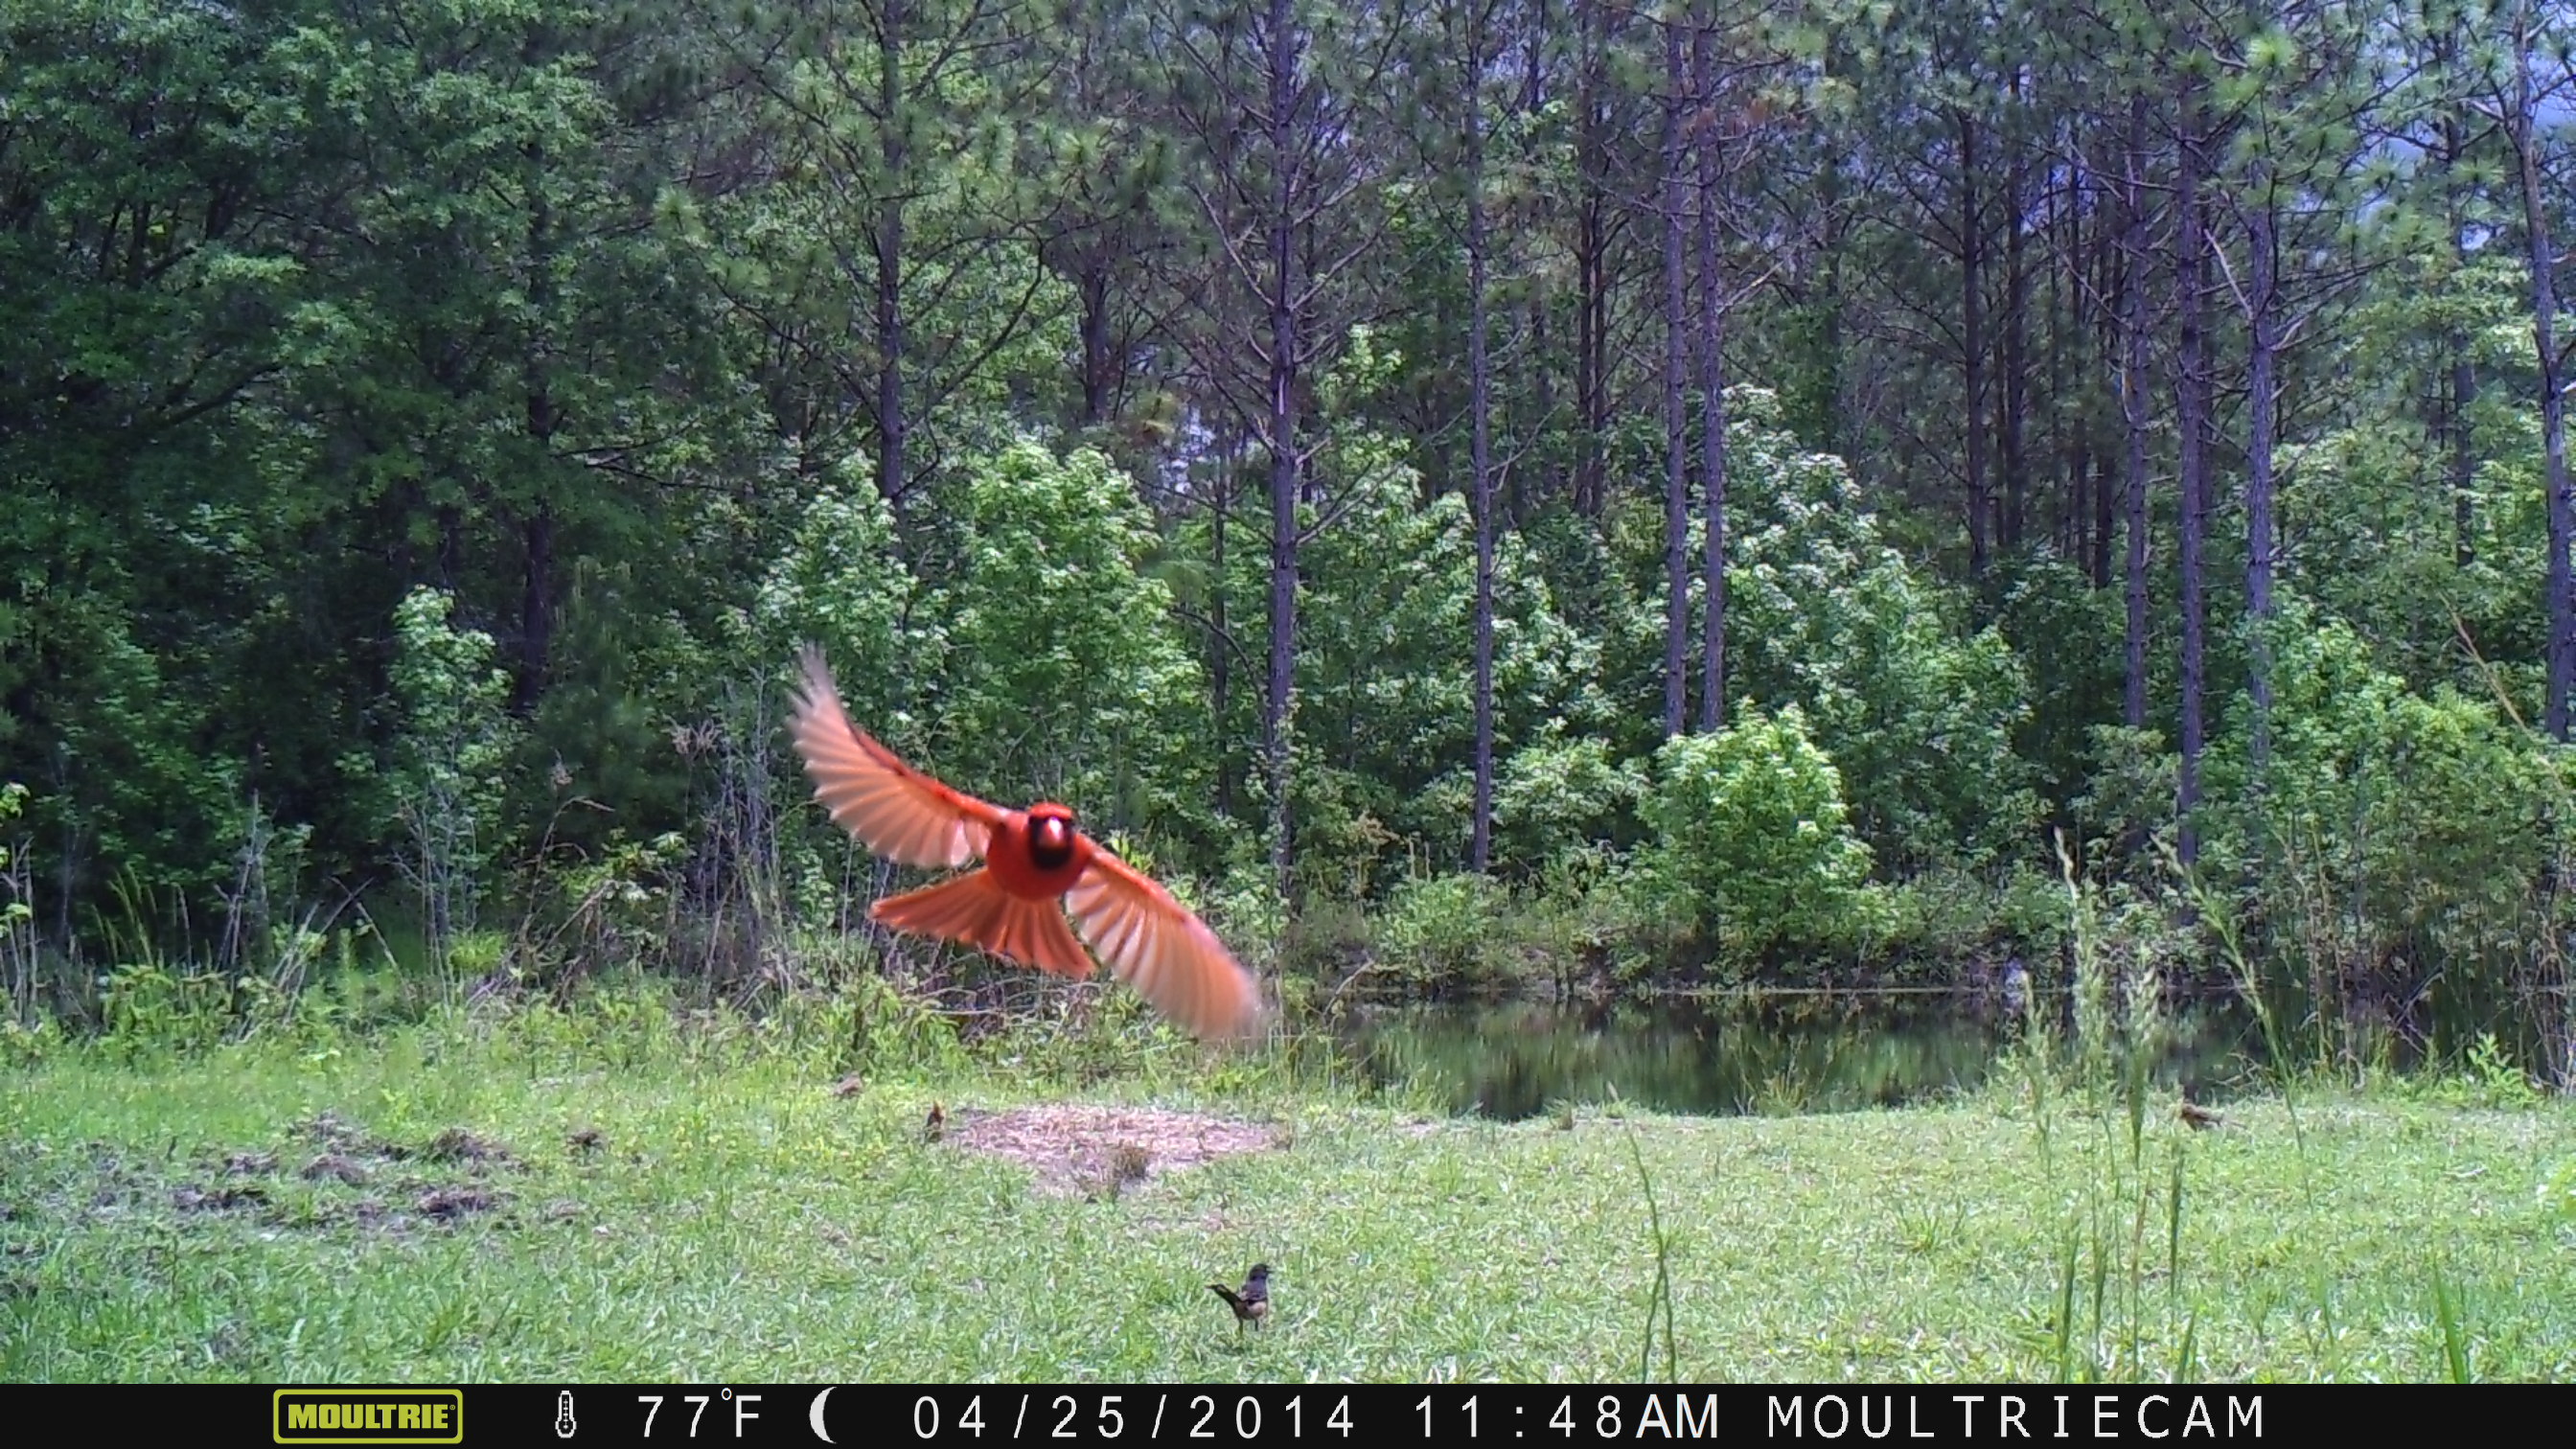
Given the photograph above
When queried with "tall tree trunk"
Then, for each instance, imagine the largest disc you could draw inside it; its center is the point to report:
(892, 429)
(1480, 403)
(1712, 386)
(2521, 125)
(2559, 608)
(1539, 359)
(1536, 359)
(1277, 710)
(2261, 403)
(536, 601)
(2464, 467)
(536, 609)
(2104, 352)
(2192, 405)
(2133, 409)
(1834, 243)
(1676, 373)
(1972, 327)
(2016, 346)
(2061, 224)
(1221, 643)
(2463, 390)
(1096, 378)
(2105, 515)
(1591, 259)
(451, 547)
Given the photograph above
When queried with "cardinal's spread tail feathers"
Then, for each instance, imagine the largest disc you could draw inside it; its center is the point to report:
(974, 909)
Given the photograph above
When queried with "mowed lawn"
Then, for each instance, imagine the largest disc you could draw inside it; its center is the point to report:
(442, 1204)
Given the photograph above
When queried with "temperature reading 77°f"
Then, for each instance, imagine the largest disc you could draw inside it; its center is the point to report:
(696, 1405)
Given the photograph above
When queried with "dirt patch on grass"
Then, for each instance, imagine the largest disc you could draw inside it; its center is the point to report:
(351, 1153)
(336, 1134)
(447, 1204)
(458, 1145)
(308, 1180)
(333, 1165)
(198, 1200)
(1077, 1150)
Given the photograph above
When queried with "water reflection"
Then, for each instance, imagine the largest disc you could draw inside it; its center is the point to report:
(1765, 1053)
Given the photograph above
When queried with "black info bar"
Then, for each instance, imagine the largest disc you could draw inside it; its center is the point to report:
(722, 1416)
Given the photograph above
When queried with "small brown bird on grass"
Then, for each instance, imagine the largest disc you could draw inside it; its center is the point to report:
(2197, 1117)
(934, 1124)
(1251, 1303)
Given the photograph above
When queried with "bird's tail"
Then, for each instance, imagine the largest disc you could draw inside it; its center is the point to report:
(1228, 1294)
(975, 909)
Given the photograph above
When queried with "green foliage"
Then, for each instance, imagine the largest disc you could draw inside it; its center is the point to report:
(611, 350)
(1384, 713)
(1942, 917)
(1066, 676)
(2397, 829)
(2068, 636)
(1752, 847)
(156, 803)
(1443, 932)
(17, 916)
(2558, 1194)
(840, 581)
(908, 182)
(449, 781)
(2130, 798)
(152, 1006)
(1557, 797)
(1917, 709)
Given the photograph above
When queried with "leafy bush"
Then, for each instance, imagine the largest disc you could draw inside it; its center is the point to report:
(455, 745)
(1752, 845)
(1559, 795)
(1446, 931)
(1918, 709)
(2396, 831)
(1067, 676)
(1941, 916)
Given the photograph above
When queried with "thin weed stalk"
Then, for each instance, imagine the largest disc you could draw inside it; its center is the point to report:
(1661, 1300)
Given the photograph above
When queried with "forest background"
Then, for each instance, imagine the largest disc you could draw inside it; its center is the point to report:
(1480, 493)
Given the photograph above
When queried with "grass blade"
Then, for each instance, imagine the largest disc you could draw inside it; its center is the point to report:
(2455, 1346)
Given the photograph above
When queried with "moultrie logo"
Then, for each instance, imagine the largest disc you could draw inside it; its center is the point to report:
(368, 1416)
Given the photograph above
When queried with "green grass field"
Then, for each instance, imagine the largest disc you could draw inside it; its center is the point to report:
(508, 1202)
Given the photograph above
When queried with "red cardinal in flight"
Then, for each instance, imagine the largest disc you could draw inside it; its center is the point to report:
(1036, 868)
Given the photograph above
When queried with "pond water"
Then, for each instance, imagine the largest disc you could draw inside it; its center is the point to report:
(1777, 1052)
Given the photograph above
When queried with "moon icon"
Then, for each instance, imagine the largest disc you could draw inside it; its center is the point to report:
(814, 1415)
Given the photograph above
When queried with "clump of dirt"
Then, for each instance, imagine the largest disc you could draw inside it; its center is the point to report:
(443, 1181)
(1127, 1163)
(196, 1200)
(458, 1145)
(332, 1164)
(447, 1204)
(1074, 1149)
(334, 1133)
(346, 1147)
